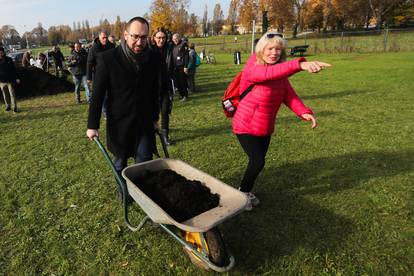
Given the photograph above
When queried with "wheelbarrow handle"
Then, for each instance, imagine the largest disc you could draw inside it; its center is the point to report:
(121, 184)
(110, 163)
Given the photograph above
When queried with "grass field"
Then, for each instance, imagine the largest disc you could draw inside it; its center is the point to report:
(349, 42)
(337, 200)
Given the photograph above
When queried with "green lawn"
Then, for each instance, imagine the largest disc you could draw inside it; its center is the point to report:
(337, 200)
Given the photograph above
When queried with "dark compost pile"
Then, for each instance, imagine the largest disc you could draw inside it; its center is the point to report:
(36, 82)
(181, 198)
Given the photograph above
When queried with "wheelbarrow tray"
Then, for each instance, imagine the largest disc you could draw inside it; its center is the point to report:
(232, 201)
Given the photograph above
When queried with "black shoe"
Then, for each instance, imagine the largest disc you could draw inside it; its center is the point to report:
(15, 110)
(8, 108)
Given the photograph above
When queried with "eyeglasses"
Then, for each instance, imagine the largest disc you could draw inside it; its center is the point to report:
(272, 35)
(136, 37)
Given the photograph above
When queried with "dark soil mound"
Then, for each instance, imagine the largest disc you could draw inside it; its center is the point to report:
(36, 82)
(179, 197)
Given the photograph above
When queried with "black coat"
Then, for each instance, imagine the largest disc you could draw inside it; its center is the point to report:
(77, 62)
(167, 69)
(7, 70)
(132, 103)
(96, 48)
(180, 54)
(58, 57)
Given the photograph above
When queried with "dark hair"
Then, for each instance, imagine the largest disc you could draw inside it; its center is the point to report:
(158, 30)
(2, 49)
(192, 45)
(139, 19)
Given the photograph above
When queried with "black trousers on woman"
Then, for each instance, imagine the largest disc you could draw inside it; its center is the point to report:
(256, 148)
(165, 104)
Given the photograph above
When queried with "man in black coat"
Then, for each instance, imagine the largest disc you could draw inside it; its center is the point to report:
(100, 44)
(180, 58)
(129, 74)
(8, 77)
(77, 66)
(58, 59)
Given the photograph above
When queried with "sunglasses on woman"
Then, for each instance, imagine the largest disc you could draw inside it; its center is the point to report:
(272, 35)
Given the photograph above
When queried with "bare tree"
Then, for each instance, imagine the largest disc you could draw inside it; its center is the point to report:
(205, 21)
(193, 25)
(218, 19)
(233, 15)
(9, 35)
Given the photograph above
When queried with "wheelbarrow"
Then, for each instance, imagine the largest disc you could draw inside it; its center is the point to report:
(200, 237)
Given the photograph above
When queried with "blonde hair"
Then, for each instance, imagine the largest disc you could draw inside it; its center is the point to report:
(264, 41)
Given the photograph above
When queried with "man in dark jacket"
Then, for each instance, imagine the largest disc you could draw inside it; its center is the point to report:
(129, 75)
(100, 44)
(58, 59)
(8, 77)
(180, 58)
(77, 65)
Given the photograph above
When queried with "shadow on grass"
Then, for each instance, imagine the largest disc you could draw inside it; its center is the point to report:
(287, 223)
(212, 86)
(199, 132)
(194, 133)
(12, 118)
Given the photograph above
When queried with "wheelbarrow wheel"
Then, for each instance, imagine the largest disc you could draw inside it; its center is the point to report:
(216, 249)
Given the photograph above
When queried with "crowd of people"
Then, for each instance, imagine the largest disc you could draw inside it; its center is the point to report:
(133, 83)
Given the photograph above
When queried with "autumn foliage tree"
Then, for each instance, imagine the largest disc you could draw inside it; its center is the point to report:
(248, 12)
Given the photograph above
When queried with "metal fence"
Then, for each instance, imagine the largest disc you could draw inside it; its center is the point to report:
(386, 40)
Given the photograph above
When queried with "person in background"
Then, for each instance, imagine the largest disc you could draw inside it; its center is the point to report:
(41, 61)
(159, 45)
(77, 65)
(26, 58)
(8, 78)
(112, 39)
(58, 59)
(192, 60)
(100, 44)
(129, 75)
(180, 59)
(254, 121)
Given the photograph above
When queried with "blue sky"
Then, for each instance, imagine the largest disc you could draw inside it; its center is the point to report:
(25, 14)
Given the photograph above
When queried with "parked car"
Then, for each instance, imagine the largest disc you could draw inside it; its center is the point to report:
(16, 57)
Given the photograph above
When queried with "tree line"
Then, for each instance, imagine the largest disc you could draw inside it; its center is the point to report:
(282, 15)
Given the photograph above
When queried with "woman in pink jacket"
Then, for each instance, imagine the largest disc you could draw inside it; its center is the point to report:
(254, 121)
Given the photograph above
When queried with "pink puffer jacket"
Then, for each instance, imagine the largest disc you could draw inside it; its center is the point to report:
(256, 113)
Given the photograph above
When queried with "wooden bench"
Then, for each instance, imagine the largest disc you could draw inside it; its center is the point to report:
(301, 49)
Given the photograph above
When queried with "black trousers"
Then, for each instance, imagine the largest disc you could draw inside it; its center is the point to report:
(191, 80)
(165, 103)
(256, 148)
(181, 81)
